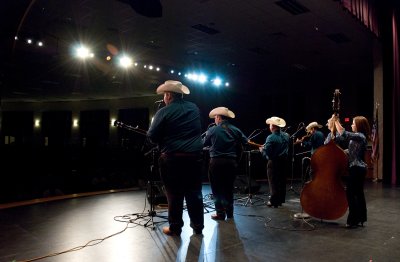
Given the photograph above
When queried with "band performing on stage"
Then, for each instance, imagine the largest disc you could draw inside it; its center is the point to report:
(325, 165)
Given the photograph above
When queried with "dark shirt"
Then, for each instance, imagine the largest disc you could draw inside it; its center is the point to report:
(316, 140)
(276, 145)
(177, 128)
(221, 141)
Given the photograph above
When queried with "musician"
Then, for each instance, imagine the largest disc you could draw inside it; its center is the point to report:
(357, 141)
(224, 141)
(314, 138)
(176, 129)
(275, 150)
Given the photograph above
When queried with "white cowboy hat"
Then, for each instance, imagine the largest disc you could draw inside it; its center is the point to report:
(277, 121)
(173, 86)
(222, 111)
(312, 125)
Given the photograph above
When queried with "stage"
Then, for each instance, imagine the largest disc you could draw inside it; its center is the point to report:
(116, 227)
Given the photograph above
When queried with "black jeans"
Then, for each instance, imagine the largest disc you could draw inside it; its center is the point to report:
(222, 173)
(182, 178)
(355, 196)
(276, 173)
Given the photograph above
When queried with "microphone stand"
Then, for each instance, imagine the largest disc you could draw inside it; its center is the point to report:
(249, 198)
(151, 185)
(293, 136)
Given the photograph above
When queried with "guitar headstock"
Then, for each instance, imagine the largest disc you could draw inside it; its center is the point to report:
(118, 123)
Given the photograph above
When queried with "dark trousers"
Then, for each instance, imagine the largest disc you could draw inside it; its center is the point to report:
(276, 173)
(222, 173)
(355, 196)
(182, 179)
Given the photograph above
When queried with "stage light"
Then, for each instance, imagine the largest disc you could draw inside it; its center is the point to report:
(202, 78)
(75, 123)
(83, 52)
(37, 123)
(125, 62)
(217, 81)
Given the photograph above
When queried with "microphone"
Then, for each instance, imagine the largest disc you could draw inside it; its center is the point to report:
(212, 124)
(159, 101)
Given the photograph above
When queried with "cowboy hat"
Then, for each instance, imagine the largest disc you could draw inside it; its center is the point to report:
(277, 121)
(312, 125)
(222, 111)
(173, 86)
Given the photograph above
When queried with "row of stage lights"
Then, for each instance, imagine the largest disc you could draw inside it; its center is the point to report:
(75, 122)
(126, 62)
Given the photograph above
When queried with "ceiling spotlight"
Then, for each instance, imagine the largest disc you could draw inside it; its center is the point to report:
(125, 61)
(83, 52)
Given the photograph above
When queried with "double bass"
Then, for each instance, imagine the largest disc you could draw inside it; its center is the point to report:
(324, 197)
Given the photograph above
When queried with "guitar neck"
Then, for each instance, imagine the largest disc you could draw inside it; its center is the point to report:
(254, 144)
(130, 128)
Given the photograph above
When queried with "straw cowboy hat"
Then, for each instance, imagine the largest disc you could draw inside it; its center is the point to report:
(312, 125)
(221, 111)
(173, 86)
(277, 121)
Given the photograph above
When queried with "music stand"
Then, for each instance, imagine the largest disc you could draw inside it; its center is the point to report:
(249, 199)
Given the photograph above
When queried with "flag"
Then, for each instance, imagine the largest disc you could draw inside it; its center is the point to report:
(375, 136)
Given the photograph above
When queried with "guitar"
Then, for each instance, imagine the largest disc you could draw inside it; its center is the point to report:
(130, 128)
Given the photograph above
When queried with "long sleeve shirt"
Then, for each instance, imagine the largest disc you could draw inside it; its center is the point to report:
(357, 145)
(177, 128)
(316, 140)
(276, 145)
(223, 142)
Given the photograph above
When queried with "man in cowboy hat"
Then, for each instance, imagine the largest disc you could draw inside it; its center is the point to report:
(315, 137)
(176, 129)
(275, 150)
(313, 140)
(224, 141)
